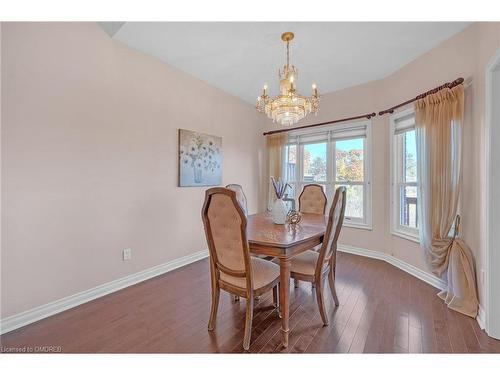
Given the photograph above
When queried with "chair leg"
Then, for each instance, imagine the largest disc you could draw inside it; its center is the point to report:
(248, 323)
(275, 295)
(321, 302)
(215, 306)
(331, 281)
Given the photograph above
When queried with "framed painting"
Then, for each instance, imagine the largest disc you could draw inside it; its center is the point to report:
(200, 159)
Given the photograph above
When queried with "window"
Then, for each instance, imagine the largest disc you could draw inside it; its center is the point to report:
(349, 172)
(404, 196)
(332, 157)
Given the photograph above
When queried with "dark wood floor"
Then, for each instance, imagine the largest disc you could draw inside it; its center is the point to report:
(382, 310)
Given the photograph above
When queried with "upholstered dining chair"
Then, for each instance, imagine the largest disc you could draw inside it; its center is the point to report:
(242, 200)
(240, 196)
(312, 200)
(231, 267)
(315, 266)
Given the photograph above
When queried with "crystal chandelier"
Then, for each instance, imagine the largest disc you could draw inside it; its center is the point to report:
(288, 107)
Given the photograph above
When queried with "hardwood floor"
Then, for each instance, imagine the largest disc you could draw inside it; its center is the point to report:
(382, 310)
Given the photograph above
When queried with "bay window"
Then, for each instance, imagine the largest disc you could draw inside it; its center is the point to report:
(333, 156)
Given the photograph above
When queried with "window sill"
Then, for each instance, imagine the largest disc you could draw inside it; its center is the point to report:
(355, 225)
(406, 236)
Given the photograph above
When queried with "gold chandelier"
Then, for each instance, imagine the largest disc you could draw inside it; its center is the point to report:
(288, 107)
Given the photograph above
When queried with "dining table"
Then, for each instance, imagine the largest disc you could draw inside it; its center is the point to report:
(284, 241)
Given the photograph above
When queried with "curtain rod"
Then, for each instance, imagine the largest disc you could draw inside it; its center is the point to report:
(448, 85)
(367, 116)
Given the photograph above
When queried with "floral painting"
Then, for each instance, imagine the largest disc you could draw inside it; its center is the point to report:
(200, 159)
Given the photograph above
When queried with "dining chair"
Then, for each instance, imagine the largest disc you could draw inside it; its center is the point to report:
(242, 200)
(314, 266)
(231, 267)
(312, 200)
(240, 196)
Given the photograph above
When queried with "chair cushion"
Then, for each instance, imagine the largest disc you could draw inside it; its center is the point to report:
(264, 272)
(305, 263)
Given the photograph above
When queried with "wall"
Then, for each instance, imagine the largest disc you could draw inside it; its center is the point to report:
(494, 208)
(89, 160)
(464, 55)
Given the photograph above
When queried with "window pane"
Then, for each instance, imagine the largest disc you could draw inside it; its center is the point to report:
(290, 170)
(314, 162)
(349, 160)
(290, 195)
(408, 206)
(410, 156)
(354, 203)
(290, 162)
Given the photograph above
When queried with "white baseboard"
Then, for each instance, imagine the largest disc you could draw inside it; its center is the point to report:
(481, 318)
(412, 270)
(19, 320)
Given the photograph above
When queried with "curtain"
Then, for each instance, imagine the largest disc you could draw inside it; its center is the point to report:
(439, 120)
(275, 151)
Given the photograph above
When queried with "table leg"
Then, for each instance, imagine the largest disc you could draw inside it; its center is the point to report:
(285, 299)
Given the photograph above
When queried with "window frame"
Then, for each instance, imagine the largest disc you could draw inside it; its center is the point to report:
(366, 221)
(408, 233)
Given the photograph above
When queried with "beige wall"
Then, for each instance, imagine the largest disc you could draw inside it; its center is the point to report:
(89, 160)
(464, 55)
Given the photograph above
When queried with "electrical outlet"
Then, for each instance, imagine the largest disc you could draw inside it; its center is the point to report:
(127, 254)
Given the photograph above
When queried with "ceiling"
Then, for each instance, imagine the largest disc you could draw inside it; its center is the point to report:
(240, 57)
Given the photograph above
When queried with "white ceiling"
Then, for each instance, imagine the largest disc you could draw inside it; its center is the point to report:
(240, 57)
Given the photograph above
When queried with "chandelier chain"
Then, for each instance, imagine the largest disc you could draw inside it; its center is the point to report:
(287, 54)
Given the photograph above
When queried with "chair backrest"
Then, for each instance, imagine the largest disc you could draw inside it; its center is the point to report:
(240, 196)
(225, 229)
(328, 249)
(312, 200)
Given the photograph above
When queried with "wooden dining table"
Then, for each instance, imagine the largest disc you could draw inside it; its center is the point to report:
(284, 242)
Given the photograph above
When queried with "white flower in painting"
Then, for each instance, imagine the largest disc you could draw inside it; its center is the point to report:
(193, 150)
(198, 164)
(211, 145)
(185, 160)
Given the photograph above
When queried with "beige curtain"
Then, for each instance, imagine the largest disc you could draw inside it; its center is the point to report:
(275, 151)
(439, 120)
(460, 293)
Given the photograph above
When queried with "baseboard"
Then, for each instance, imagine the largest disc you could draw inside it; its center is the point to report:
(408, 268)
(481, 317)
(19, 320)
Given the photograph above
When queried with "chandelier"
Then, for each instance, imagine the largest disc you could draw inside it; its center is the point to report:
(288, 107)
